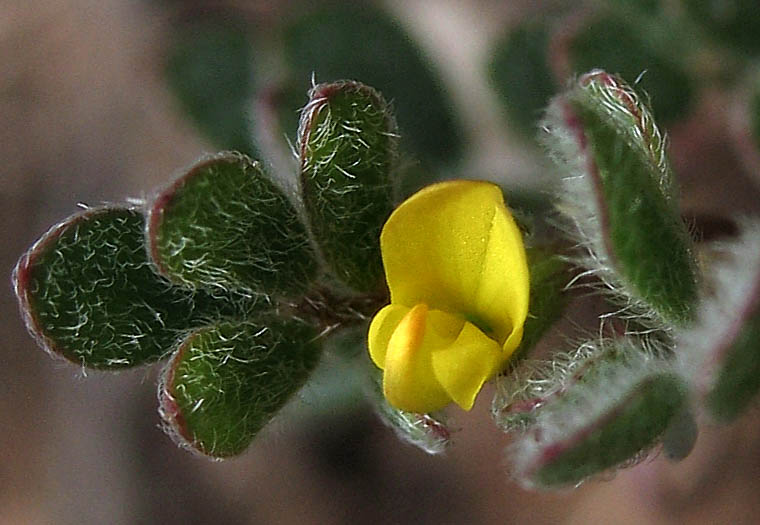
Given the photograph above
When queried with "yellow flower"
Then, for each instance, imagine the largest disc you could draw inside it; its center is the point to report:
(458, 277)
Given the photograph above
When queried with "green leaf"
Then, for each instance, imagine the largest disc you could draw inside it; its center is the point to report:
(347, 142)
(227, 380)
(624, 48)
(735, 23)
(209, 70)
(352, 41)
(648, 7)
(737, 380)
(720, 350)
(549, 275)
(529, 384)
(621, 193)
(225, 224)
(618, 409)
(754, 115)
(519, 72)
(87, 292)
(681, 435)
(634, 425)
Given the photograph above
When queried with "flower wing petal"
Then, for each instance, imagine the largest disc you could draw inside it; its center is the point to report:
(464, 365)
(381, 329)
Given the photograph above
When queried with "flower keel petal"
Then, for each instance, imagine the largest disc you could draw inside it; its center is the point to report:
(409, 382)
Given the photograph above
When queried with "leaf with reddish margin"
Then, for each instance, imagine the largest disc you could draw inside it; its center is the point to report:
(227, 380)
(225, 225)
(88, 293)
(347, 143)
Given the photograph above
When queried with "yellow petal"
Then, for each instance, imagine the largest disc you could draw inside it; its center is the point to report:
(504, 282)
(433, 358)
(455, 247)
(408, 380)
(381, 329)
(463, 366)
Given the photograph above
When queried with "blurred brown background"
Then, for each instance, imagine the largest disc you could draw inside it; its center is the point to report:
(85, 117)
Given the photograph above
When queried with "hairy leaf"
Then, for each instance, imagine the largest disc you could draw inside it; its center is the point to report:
(347, 142)
(622, 47)
(228, 380)
(620, 192)
(88, 293)
(610, 416)
(225, 224)
(352, 40)
(720, 350)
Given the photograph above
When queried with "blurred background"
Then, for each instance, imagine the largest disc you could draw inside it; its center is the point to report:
(105, 99)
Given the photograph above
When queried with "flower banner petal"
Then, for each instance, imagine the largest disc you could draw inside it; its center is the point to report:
(504, 283)
(455, 247)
